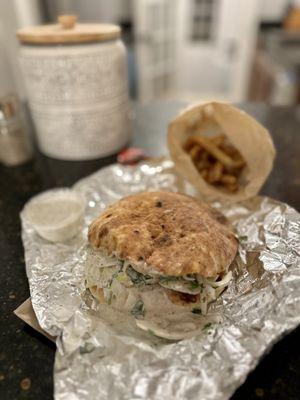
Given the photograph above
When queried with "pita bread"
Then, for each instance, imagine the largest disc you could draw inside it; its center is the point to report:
(165, 233)
(248, 136)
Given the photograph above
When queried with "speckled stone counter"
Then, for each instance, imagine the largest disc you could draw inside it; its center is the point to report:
(26, 357)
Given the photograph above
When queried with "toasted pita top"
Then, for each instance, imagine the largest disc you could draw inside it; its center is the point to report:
(165, 233)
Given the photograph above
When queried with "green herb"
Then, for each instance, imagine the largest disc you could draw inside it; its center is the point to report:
(242, 238)
(138, 309)
(133, 275)
(87, 348)
(109, 299)
(137, 278)
(114, 275)
(194, 285)
(148, 279)
(196, 311)
(206, 326)
(122, 277)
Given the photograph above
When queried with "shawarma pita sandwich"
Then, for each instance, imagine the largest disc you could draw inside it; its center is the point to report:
(160, 256)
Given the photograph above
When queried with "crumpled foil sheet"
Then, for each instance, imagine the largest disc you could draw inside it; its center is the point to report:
(97, 359)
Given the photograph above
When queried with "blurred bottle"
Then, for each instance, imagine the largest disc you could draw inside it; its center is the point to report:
(292, 20)
(284, 91)
(15, 148)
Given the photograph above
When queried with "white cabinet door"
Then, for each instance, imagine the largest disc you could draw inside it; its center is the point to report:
(155, 46)
(215, 48)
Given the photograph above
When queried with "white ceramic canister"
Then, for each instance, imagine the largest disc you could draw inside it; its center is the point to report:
(76, 81)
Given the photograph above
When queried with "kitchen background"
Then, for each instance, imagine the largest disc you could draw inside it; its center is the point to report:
(229, 50)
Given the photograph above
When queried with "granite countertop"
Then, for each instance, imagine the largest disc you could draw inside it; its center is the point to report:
(26, 357)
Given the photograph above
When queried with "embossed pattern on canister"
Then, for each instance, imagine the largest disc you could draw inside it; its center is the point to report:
(78, 96)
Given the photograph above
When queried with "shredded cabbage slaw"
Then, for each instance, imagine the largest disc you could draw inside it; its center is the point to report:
(102, 274)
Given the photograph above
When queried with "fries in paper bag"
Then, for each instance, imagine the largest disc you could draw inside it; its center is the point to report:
(222, 151)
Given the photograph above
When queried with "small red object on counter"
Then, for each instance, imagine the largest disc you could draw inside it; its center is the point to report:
(131, 156)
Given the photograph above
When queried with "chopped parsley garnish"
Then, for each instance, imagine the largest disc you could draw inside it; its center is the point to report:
(147, 277)
(87, 348)
(242, 238)
(194, 285)
(206, 326)
(196, 311)
(114, 275)
(109, 299)
(122, 277)
(138, 310)
(137, 278)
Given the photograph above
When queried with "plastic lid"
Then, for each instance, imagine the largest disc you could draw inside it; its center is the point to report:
(57, 215)
(68, 31)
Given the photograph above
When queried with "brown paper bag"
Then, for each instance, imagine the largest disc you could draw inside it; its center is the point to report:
(26, 313)
(248, 136)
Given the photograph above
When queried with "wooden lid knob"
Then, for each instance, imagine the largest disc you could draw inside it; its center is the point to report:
(67, 21)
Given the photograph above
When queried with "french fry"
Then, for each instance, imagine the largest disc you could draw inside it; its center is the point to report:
(203, 162)
(218, 162)
(228, 149)
(218, 140)
(228, 179)
(216, 152)
(215, 173)
(195, 151)
(190, 143)
(234, 154)
(239, 163)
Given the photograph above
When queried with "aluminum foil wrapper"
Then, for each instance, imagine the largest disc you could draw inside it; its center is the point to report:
(99, 357)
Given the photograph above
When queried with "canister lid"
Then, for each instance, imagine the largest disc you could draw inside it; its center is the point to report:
(68, 31)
